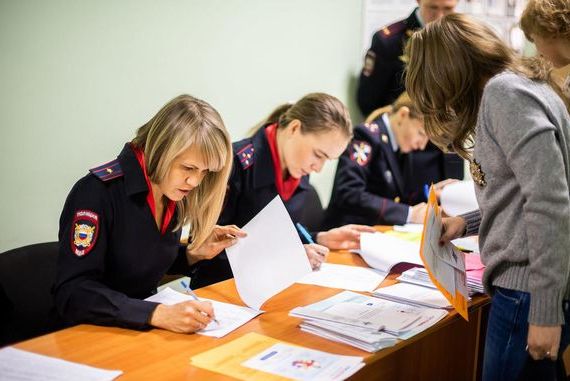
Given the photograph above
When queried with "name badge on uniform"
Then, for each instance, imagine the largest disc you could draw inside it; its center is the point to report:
(388, 176)
(85, 231)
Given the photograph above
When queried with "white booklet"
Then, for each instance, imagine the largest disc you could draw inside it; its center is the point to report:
(271, 257)
(345, 277)
(383, 251)
(300, 363)
(229, 316)
(16, 364)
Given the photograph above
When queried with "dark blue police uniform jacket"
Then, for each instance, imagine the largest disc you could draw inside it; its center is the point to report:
(112, 253)
(250, 189)
(380, 82)
(374, 185)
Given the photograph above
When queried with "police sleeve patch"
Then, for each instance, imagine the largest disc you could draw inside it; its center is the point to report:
(84, 233)
(360, 152)
(245, 156)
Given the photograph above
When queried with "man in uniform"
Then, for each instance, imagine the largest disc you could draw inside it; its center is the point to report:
(381, 82)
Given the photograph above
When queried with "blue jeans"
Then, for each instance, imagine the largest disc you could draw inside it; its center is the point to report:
(505, 355)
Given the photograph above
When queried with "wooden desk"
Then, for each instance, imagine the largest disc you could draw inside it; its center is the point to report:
(450, 350)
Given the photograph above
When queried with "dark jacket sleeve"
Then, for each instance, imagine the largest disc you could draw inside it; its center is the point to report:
(352, 191)
(81, 296)
(382, 85)
(453, 166)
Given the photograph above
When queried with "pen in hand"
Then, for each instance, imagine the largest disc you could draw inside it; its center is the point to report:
(190, 292)
(303, 231)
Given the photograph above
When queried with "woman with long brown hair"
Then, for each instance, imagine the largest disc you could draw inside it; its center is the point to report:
(482, 101)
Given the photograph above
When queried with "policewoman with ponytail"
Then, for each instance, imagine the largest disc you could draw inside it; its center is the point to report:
(294, 141)
(120, 226)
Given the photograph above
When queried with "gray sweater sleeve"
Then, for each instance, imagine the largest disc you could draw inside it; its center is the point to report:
(518, 121)
(472, 221)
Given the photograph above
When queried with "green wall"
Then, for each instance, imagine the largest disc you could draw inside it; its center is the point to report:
(78, 77)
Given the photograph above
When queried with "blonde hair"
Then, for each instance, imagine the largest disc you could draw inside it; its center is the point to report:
(402, 101)
(546, 18)
(451, 59)
(183, 122)
(317, 112)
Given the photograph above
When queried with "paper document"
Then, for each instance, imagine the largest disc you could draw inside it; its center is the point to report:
(270, 258)
(300, 363)
(458, 198)
(229, 316)
(254, 357)
(413, 294)
(383, 251)
(18, 365)
(409, 228)
(445, 264)
(353, 278)
(467, 243)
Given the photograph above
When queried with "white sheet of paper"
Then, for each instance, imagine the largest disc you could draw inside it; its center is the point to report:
(18, 365)
(458, 198)
(383, 251)
(413, 293)
(467, 243)
(270, 258)
(300, 363)
(409, 228)
(229, 316)
(345, 277)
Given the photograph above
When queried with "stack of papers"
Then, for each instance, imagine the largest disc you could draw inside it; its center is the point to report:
(413, 294)
(257, 357)
(473, 268)
(363, 321)
(229, 316)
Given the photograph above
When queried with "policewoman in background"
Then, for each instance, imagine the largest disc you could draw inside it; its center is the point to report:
(294, 141)
(484, 102)
(120, 226)
(373, 184)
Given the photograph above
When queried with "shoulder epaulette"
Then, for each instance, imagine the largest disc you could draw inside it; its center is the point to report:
(369, 131)
(245, 155)
(108, 171)
(393, 29)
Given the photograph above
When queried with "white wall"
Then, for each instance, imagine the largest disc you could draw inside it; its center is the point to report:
(79, 76)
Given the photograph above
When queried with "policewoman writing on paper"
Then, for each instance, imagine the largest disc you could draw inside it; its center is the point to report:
(374, 178)
(294, 141)
(506, 118)
(120, 226)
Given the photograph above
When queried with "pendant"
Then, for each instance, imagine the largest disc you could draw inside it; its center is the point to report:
(476, 173)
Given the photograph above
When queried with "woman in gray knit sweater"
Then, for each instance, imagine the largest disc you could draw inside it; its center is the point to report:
(482, 101)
